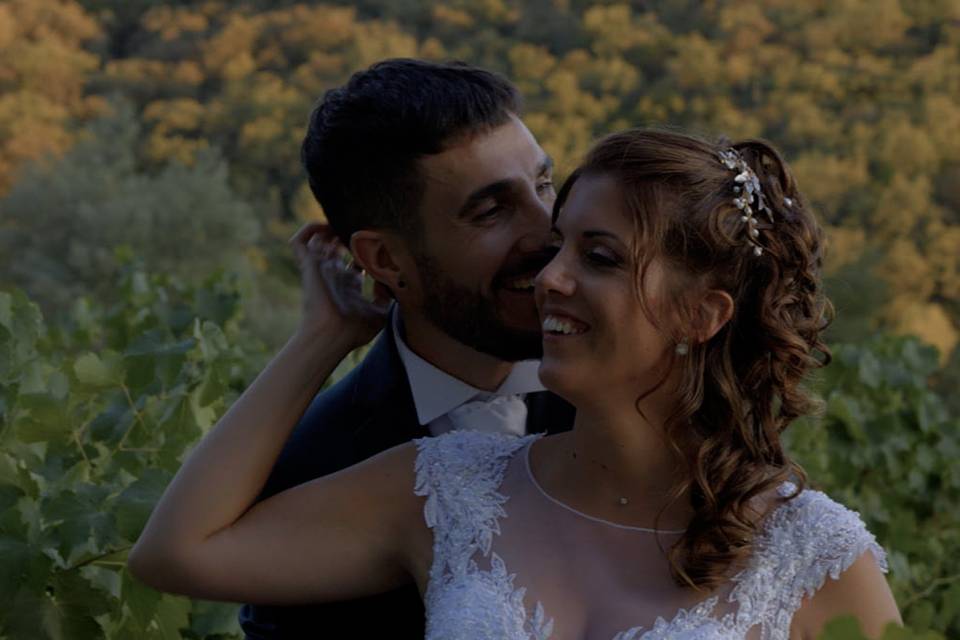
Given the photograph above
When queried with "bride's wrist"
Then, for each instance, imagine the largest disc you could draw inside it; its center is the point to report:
(322, 340)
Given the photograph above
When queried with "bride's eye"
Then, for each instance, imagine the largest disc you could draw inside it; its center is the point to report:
(603, 258)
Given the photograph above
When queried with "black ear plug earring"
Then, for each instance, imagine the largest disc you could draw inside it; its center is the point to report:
(401, 283)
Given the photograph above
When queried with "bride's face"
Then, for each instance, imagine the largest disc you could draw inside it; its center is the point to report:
(597, 341)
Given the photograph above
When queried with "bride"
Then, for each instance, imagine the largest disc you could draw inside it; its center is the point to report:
(681, 311)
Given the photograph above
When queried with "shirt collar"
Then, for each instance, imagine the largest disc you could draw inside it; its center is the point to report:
(436, 392)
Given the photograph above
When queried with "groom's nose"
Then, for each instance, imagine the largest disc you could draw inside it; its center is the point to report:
(535, 219)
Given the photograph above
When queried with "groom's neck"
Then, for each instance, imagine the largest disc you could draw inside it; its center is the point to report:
(451, 356)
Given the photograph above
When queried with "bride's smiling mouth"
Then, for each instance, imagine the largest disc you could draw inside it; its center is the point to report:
(557, 325)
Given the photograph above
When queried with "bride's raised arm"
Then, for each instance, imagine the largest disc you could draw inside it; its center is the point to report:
(336, 537)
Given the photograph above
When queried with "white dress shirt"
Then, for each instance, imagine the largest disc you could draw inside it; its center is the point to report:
(445, 403)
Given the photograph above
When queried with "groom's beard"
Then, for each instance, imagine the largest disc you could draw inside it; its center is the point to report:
(471, 318)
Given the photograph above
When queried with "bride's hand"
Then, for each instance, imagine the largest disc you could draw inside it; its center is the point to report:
(333, 301)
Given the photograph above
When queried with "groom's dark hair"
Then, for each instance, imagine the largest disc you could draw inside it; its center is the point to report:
(364, 138)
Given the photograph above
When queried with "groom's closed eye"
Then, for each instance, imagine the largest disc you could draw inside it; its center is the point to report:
(485, 199)
(496, 198)
(545, 184)
(489, 214)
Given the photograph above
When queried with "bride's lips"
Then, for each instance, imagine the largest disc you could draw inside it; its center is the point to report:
(561, 325)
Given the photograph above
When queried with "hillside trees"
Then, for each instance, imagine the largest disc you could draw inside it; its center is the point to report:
(863, 97)
(45, 67)
(64, 221)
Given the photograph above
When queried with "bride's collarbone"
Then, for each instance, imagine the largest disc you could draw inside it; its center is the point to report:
(594, 495)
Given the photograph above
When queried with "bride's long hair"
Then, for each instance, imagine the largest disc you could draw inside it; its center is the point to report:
(739, 390)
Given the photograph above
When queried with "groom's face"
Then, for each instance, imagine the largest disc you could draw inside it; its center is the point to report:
(485, 216)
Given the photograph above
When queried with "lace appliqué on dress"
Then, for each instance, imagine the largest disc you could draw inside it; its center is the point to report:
(801, 543)
(696, 623)
(460, 473)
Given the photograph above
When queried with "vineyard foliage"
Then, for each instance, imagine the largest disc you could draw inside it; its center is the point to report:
(98, 409)
(96, 415)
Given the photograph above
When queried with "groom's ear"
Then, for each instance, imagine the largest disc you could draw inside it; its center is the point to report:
(382, 255)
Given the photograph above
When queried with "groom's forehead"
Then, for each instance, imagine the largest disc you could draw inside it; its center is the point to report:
(507, 152)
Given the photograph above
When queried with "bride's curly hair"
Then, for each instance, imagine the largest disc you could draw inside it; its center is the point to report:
(740, 389)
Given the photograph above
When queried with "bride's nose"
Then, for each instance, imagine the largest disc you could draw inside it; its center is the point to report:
(556, 277)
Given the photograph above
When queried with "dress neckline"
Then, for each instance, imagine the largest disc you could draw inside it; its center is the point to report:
(562, 505)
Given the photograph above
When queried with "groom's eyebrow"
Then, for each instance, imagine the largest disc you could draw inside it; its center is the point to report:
(499, 187)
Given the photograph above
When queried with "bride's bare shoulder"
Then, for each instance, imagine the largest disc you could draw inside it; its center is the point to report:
(384, 484)
(388, 473)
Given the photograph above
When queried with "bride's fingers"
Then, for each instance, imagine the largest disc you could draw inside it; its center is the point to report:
(330, 272)
(310, 266)
(313, 238)
(346, 288)
(305, 233)
(320, 247)
(339, 283)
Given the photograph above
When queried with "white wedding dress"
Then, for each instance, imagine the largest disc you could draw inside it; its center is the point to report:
(512, 563)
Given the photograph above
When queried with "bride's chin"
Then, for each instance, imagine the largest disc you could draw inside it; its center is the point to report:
(560, 379)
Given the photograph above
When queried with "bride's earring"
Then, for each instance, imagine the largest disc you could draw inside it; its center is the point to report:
(682, 348)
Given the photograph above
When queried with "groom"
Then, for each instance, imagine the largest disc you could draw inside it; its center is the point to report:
(442, 194)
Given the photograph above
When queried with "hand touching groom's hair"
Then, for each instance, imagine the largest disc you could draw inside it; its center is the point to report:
(364, 138)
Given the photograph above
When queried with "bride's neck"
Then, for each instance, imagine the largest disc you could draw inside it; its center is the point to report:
(624, 449)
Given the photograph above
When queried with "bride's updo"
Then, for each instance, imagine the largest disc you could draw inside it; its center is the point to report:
(739, 390)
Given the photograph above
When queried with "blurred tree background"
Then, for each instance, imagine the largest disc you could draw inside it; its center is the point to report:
(172, 126)
(166, 135)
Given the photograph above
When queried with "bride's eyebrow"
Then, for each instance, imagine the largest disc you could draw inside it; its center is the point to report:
(589, 233)
(597, 233)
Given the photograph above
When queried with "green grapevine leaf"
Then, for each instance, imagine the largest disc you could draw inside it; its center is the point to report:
(104, 370)
(134, 505)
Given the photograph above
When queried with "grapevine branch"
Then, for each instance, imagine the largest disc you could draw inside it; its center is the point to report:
(98, 557)
(136, 415)
(933, 586)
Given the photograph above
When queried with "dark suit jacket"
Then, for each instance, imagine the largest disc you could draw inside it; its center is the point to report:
(368, 411)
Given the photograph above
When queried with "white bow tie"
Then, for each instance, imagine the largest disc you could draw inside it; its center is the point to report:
(496, 414)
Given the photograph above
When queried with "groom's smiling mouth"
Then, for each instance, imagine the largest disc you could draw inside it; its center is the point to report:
(513, 288)
(519, 278)
(516, 304)
(520, 284)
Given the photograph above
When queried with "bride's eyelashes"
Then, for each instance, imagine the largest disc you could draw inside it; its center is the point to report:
(603, 259)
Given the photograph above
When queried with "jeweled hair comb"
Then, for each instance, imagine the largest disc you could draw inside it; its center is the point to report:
(749, 197)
